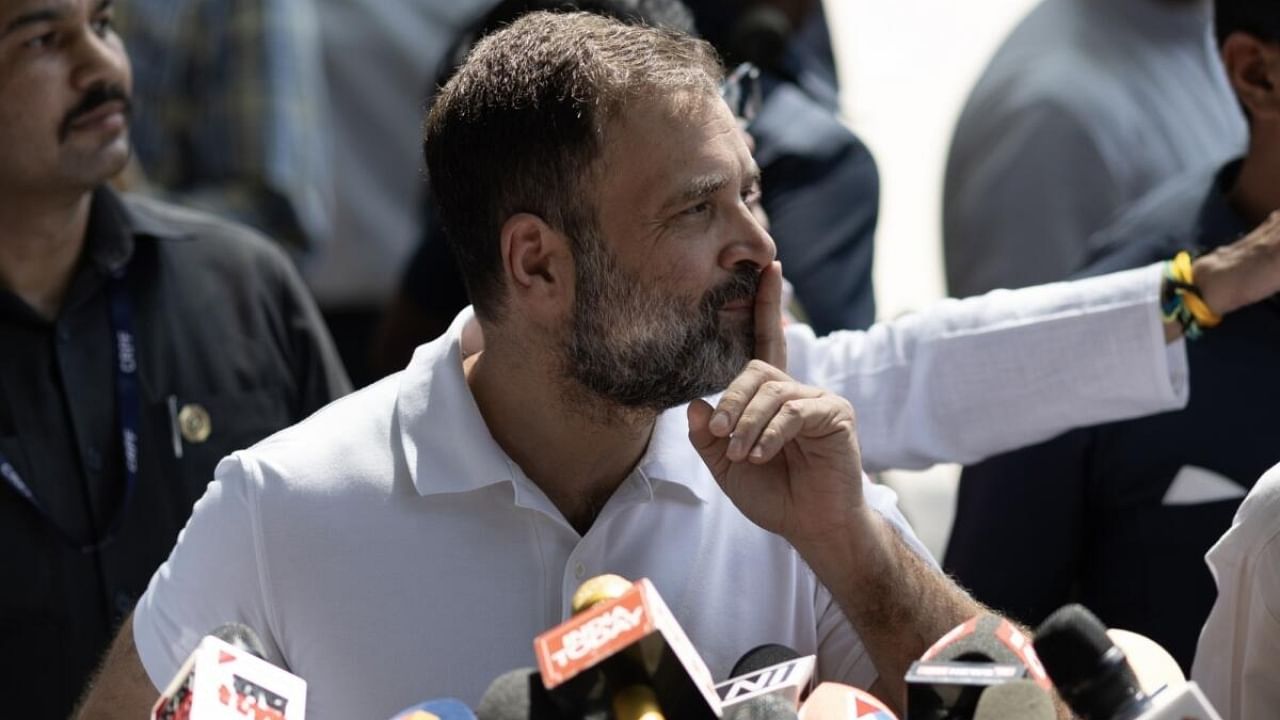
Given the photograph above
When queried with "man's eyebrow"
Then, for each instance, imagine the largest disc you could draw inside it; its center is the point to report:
(46, 14)
(31, 18)
(696, 189)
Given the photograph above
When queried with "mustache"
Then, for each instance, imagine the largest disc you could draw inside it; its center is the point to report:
(742, 285)
(97, 96)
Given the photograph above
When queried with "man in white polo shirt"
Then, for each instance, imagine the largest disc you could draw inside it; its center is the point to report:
(411, 541)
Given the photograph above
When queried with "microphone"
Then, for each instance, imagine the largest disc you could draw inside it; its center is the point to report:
(1092, 674)
(242, 637)
(226, 677)
(439, 709)
(1153, 665)
(761, 707)
(834, 701)
(767, 682)
(1016, 700)
(1184, 703)
(761, 657)
(624, 644)
(984, 651)
(1094, 677)
(520, 695)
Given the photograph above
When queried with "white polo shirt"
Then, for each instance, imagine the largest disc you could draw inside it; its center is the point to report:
(1235, 661)
(388, 551)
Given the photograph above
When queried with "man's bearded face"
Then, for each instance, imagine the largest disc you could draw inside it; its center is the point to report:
(642, 348)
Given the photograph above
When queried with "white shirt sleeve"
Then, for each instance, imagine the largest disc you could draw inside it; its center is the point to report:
(213, 576)
(966, 379)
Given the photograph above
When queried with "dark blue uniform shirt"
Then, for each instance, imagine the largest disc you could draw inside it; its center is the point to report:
(226, 338)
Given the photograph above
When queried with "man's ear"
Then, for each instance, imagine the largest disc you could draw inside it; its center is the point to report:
(1253, 68)
(538, 264)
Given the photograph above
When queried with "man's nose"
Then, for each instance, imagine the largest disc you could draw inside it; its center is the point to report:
(749, 241)
(99, 60)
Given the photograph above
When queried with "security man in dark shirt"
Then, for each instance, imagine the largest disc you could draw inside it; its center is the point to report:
(1120, 516)
(139, 343)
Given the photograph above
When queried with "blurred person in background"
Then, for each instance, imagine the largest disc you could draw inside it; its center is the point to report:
(231, 113)
(820, 187)
(790, 39)
(300, 118)
(1087, 106)
(1119, 516)
(377, 56)
(141, 343)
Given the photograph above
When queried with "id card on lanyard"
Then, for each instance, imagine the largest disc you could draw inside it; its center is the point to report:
(128, 412)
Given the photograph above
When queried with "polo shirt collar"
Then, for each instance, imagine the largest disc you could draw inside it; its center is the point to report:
(113, 228)
(448, 447)
(672, 460)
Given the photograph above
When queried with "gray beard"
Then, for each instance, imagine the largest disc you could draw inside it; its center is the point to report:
(636, 348)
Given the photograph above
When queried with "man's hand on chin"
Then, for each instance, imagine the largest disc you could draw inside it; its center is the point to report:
(786, 454)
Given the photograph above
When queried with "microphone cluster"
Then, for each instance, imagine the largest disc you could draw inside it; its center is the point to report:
(623, 656)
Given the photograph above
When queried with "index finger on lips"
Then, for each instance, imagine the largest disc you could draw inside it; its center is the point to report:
(771, 343)
(739, 394)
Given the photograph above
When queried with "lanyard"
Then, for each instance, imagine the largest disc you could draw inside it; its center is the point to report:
(128, 411)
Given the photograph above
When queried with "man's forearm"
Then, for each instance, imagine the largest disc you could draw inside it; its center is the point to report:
(897, 602)
(121, 687)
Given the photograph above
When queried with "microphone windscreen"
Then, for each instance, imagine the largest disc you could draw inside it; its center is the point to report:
(438, 709)
(832, 701)
(979, 639)
(988, 638)
(761, 657)
(764, 707)
(1017, 700)
(240, 636)
(1091, 674)
(517, 695)
(1070, 642)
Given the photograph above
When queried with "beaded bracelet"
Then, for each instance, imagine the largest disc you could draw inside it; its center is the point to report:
(1182, 301)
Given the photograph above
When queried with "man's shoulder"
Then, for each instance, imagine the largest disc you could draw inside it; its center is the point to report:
(1049, 70)
(347, 445)
(196, 234)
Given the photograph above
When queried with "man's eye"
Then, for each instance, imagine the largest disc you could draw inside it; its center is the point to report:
(698, 209)
(751, 195)
(102, 26)
(41, 41)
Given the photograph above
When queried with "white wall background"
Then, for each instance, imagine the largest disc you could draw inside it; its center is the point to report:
(906, 67)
